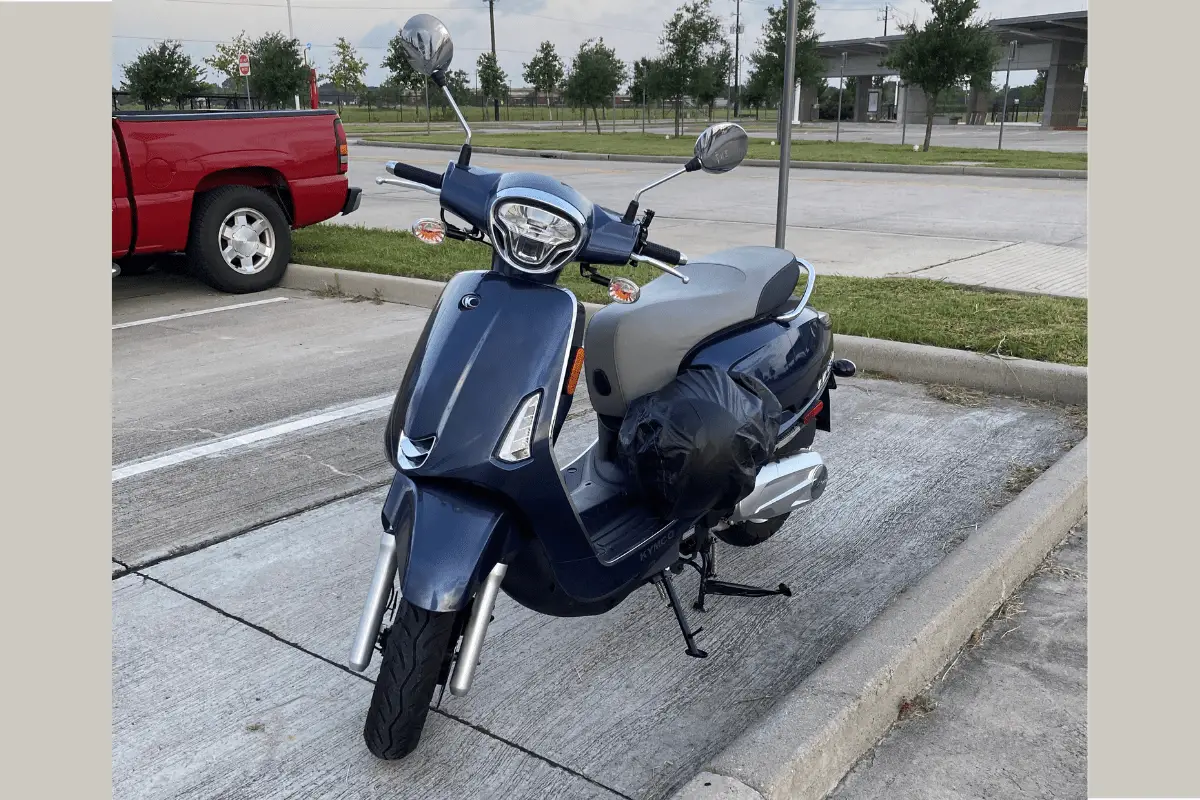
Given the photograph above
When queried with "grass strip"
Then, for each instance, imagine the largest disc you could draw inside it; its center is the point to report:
(915, 310)
(802, 150)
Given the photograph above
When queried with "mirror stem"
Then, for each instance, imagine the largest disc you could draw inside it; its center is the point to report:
(440, 79)
(662, 180)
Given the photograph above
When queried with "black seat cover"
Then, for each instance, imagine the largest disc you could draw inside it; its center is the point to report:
(639, 347)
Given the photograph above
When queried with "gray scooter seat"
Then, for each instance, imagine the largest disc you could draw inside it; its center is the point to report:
(635, 349)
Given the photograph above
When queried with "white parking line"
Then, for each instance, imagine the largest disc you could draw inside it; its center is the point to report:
(198, 313)
(140, 467)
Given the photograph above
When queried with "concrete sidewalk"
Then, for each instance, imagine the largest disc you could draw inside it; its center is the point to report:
(1009, 718)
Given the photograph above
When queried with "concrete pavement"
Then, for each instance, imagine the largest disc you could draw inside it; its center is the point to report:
(1009, 718)
(227, 676)
(863, 224)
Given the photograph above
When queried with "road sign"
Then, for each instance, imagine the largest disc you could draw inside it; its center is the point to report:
(244, 64)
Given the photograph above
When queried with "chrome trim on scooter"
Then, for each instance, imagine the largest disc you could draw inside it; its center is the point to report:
(472, 642)
(783, 486)
(795, 312)
(375, 605)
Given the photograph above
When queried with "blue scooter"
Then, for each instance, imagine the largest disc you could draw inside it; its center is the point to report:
(479, 503)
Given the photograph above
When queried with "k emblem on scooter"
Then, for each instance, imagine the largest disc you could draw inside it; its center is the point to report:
(469, 302)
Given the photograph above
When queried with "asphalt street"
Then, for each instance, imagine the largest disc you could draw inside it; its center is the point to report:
(1005, 233)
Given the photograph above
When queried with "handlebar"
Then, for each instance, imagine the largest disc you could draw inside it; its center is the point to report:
(415, 174)
(663, 254)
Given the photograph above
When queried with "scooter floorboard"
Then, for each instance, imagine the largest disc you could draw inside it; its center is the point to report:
(618, 525)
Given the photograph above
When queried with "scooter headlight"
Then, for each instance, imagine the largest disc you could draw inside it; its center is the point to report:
(535, 237)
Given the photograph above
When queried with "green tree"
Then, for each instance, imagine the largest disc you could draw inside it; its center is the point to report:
(951, 48)
(544, 72)
(346, 69)
(277, 71)
(712, 80)
(162, 73)
(492, 80)
(689, 37)
(596, 74)
(764, 85)
(225, 61)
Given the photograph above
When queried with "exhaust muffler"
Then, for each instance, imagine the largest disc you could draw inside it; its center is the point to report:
(782, 487)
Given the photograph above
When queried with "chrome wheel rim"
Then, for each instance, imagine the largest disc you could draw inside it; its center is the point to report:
(246, 240)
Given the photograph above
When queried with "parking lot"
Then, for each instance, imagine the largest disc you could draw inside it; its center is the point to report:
(247, 482)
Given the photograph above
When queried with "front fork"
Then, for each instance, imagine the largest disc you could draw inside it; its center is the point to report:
(371, 620)
(377, 595)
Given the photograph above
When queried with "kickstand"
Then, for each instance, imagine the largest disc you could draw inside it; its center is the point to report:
(704, 547)
(689, 636)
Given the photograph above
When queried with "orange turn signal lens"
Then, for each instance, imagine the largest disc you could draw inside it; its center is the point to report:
(623, 290)
(576, 370)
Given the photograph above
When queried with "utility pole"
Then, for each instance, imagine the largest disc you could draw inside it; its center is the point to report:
(886, 8)
(737, 62)
(492, 20)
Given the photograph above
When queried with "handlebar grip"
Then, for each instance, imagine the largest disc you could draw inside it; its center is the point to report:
(663, 254)
(415, 174)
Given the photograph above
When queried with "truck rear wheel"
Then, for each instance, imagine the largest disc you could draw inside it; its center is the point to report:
(240, 241)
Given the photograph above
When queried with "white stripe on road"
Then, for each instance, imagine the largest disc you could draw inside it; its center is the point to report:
(197, 313)
(244, 438)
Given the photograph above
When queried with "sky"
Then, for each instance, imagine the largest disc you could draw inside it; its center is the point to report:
(631, 26)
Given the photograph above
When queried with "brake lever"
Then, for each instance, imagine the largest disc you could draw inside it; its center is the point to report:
(379, 181)
(654, 262)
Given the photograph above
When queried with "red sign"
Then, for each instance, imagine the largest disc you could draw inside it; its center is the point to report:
(243, 64)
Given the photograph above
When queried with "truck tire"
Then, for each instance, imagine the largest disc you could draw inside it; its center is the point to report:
(240, 240)
(414, 657)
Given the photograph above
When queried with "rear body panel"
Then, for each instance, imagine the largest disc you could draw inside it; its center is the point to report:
(791, 358)
(171, 157)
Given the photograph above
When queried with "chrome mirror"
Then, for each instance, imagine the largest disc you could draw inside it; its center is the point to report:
(427, 44)
(721, 147)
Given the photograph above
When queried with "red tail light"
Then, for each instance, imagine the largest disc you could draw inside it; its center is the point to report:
(343, 149)
(813, 412)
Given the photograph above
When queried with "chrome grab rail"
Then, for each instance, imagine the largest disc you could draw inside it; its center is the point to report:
(812, 278)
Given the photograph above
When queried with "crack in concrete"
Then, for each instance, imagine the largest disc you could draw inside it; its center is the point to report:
(301, 648)
(334, 469)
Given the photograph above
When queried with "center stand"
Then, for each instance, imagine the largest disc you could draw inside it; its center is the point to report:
(702, 545)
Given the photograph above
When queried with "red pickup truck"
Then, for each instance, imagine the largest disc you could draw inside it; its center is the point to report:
(225, 188)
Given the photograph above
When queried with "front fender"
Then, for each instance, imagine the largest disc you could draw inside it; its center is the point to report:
(448, 536)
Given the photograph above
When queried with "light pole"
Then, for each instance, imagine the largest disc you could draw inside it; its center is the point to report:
(841, 85)
(1012, 54)
(785, 139)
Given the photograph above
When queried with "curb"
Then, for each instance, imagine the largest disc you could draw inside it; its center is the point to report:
(849, 166)
(807, 743)
(1016, 377)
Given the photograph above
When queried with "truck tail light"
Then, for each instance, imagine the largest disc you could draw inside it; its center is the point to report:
(343, 148)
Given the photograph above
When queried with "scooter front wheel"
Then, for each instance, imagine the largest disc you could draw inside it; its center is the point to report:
(412, 667)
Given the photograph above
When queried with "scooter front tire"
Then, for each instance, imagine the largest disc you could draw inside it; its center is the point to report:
(413, 655)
